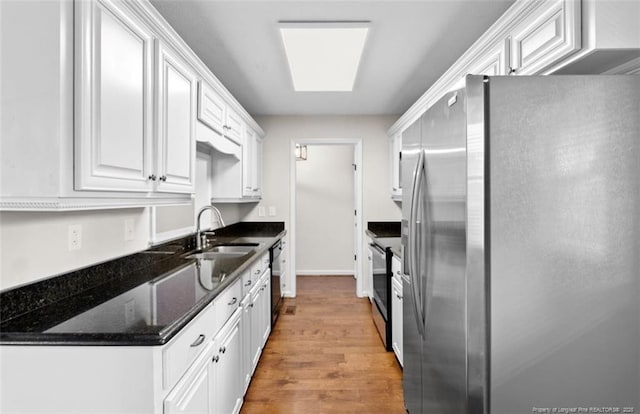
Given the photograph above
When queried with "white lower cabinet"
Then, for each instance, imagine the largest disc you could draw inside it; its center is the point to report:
(396, 309)
(205, 368)
(226, 369)
(396, 319)
(193, 394)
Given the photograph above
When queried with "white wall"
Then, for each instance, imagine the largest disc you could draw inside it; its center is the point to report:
(324, 211)
(281, 130)
(35, 245)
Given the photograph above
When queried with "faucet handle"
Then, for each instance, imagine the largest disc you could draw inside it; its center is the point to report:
(204, 242)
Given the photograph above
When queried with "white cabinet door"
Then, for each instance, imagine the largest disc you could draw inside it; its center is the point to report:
(494, 62)
(192, 394)
(251, 165)
(226, 369)
(396, 158)
(113, 99)
(551, 33)
(234, 127)
(396, 319)
(176, 145)
(245, 339)
(265, 307)
(257, 167)
(256, 328)
(248, 151)
(212, 109)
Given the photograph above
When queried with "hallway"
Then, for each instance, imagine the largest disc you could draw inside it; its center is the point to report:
(325, 356)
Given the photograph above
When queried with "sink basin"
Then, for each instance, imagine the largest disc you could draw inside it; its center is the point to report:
(214, 255)
(224, 250)
(233, 248)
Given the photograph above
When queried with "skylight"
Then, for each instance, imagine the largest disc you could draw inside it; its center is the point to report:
(324, 57)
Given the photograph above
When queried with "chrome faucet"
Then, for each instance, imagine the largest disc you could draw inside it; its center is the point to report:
(199, 236)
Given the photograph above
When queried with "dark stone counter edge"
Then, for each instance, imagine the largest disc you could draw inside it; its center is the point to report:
(242, 229)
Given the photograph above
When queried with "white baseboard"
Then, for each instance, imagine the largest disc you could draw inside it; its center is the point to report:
(325, 272)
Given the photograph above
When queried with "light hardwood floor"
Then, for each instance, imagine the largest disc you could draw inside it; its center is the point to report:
(326, 357)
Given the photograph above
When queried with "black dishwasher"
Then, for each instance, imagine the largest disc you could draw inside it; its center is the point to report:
(277, 270)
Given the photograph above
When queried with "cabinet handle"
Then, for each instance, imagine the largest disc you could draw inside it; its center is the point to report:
(163, 178)
(233, 301)
(152, 177)
(398, 273)
(198, 341)
(248, 283)
(258, 272)
(223, 349)
(216, 358)
(398, 296)
(512, 71)
(251, 305)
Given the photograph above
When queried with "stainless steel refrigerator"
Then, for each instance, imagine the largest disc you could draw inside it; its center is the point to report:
(521, 243)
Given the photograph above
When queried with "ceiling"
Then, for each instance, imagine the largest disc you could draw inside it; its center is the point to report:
(409, 46)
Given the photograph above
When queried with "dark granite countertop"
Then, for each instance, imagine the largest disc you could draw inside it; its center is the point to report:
(385, 234)
(73, 308)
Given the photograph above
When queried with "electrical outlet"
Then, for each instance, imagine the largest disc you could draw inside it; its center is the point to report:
(272, 211)
(130, 312)
(261, 212)
(75, 237)
(128, 230)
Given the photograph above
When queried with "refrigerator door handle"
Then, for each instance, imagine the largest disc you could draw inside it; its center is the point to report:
(413, 253)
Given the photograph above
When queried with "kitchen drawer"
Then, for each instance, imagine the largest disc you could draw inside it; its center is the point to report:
(182, 350)
(259, 266)
(226, 303)
(396, 269)
(247, 282)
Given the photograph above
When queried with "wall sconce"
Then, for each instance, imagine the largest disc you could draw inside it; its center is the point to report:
(301, 152)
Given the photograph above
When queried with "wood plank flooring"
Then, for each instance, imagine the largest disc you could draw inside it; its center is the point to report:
(325, 356)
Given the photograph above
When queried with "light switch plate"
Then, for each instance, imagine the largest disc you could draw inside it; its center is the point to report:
(272, 211)
(261, 212)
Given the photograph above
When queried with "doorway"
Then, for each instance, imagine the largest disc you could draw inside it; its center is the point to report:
(344, 151)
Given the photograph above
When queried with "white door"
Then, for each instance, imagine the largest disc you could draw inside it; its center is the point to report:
(176, 123)
(114, 99)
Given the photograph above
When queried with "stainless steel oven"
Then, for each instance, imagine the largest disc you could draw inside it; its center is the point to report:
(380, 307)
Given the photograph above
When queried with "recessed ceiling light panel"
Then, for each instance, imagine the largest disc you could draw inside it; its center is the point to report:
(324, 57)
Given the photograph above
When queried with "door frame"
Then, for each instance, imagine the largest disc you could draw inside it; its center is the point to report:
(358, 228)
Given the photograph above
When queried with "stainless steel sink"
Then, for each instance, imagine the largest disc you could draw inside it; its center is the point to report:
(214, 255)
(234, 248)
(224, 250)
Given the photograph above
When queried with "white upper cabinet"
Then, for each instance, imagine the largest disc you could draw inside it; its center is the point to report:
(396, 159)
(102, 108)
(252, 165)
(114, 97)
(492, 63)
(549, 34)
(175, 150)
(211, 108)
(214, 112)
